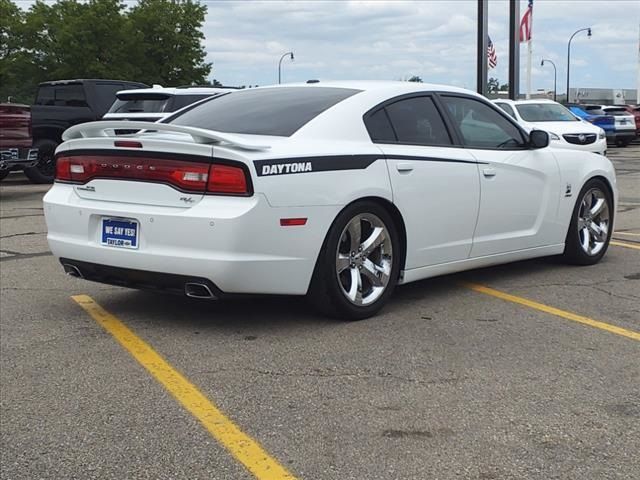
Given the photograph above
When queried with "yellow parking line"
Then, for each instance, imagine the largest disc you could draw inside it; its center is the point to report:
(244, 448)
(554, 311)
(633, 234)
(626, 245)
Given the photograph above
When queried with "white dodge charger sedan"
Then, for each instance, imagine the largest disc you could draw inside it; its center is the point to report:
(338, 190)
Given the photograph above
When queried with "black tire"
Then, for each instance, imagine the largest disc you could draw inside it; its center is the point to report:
(326, 292)
(45, 170)
(574, 252)
(4, 173)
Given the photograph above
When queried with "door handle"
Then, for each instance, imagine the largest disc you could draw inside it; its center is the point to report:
(489, 172)
(404, 167)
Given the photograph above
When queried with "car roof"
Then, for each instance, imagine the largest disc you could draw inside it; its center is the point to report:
(524, 102)
(376, 85)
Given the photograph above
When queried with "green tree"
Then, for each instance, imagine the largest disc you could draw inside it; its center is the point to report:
(70, 39)
(168, 41)
(157, 41)
(13, 62)
(493, 85)
(415, 78)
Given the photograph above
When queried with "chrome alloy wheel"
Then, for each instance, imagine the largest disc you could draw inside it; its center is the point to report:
(364, 259)
(593, 221)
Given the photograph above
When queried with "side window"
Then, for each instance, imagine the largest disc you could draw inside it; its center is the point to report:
(379, 127)
(69, 96)
(482, 126)
(507, 108)
(417, 121)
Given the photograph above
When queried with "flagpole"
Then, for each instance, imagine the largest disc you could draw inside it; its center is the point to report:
(529, 52)
(529, 55)
(638, 84)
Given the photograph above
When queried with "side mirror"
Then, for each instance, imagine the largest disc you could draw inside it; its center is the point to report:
(538, 139)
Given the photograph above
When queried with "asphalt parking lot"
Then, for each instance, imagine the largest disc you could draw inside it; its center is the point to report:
(459, 377)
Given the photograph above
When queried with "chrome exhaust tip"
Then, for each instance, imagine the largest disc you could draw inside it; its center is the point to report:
(198, 290)
(72, 270)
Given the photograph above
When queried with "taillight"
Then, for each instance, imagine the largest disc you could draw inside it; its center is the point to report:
(184, 175)
(227, 179)
(63, 170)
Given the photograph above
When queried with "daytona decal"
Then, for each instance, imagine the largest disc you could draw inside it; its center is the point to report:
(284, 168)
(288, 166)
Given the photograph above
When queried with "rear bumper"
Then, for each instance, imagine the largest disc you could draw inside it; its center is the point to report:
(23, 157)
(138, 279)
(236, 243)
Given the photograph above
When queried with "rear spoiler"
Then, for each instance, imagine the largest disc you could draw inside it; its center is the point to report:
(199, 135)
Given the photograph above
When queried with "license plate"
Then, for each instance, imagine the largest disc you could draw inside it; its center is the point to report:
(119, 232)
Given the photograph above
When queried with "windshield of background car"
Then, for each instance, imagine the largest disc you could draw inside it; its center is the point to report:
(269, 111)
(545, 112)
(140, 103)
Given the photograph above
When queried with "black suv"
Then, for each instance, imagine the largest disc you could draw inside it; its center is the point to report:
(64, 103)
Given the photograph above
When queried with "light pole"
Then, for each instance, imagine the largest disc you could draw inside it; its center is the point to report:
(555, 76)
(588, 30)
(280, 65)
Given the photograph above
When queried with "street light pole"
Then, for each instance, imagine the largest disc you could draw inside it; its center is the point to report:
(555, 76)
(280, 65)
(588, 30)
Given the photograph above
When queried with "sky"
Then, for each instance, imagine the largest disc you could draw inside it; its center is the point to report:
(395, 39)
(433, 39)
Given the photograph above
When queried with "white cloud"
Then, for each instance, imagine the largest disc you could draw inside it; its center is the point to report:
(435, 39)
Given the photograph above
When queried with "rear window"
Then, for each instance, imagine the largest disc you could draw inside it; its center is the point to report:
(270, 111)
(65, 95)
(616, 111)
(140, 103)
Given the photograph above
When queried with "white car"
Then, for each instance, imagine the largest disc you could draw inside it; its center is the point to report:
(338, 190)
(153, 104)
(565, 129)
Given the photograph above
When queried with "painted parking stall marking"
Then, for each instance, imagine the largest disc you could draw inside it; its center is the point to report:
(244, 448)
(553, 311)
(626, 245)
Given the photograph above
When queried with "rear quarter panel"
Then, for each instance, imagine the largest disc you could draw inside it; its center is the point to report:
(326, 173)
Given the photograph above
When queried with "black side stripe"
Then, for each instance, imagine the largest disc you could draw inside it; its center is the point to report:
(289, 166)
(432, 159)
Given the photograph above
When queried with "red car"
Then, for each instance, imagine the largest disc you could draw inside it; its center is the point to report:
(635, 111)
(16, 152)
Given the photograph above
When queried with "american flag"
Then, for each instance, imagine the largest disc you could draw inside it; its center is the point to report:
(491, 54)
(526, 23)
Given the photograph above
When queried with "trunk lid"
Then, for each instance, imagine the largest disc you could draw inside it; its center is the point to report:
(171, 166)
